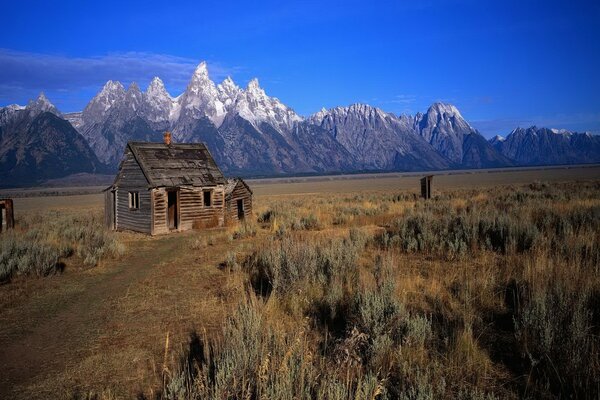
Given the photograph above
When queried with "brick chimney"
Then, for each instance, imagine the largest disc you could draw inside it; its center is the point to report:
(167, 138)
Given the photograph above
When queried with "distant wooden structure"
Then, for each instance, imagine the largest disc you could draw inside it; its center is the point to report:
(238, 200)
(166, 187)
(426, 186)
(7, 215)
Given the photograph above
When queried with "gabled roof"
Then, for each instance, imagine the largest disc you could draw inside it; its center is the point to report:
(232, 183)
(184, 164)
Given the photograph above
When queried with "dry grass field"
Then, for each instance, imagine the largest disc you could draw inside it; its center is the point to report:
(345, 288)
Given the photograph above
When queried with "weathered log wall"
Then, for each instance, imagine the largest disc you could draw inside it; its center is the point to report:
(240, 192)
(109, 210)
(192, 212)
(132, 179)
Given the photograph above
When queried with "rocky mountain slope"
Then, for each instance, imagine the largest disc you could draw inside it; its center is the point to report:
(543, 146)
(36, 144)
(251, 133)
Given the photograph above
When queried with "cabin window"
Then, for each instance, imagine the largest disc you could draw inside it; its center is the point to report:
(207, 197)
(134, 200)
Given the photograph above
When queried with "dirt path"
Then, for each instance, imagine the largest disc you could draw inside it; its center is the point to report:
(76, 317)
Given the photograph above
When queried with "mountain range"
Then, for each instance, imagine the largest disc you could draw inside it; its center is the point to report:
(250, 133)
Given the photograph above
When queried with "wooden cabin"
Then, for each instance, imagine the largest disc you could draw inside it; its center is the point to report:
(165, 187)
(7, 216)
(426, 186)
(238, 200)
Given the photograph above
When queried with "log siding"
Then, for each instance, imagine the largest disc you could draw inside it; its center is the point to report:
(147, 168)
(239, 192)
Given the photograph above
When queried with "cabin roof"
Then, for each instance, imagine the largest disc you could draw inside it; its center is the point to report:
(181, 164)
(232, 183)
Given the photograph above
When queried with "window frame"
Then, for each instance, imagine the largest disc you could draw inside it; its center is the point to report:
(134, 200)
(210, 197)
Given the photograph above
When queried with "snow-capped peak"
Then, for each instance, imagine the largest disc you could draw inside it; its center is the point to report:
(111, 87)
(156, 82)
(254, 86)
(133, 86)
(111, 93)
(156, 89)
(13, 107)
(159, 105)
(228, 92)
(201, 71)
(201, 98)
(497, 140)
(444, 108)
(447, 115)
(255, 106)
(560, 131)
(134, 97)
(318, 117)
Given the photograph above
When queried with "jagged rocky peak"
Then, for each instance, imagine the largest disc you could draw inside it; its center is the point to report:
(159, 105)
(497, 139)
(543, 146)
(112, 92)
(134, 88)
(444, 108)
(133, 97)
(318, 117)
(40, 105)
(357, 111)
(446, 115)
(156, 89)
(8, 113)
(255, 106)
(228, 92)
(201, 71)
(201, 98)
(444, 128)
(254, 88)
(561, 132)
(12, 107)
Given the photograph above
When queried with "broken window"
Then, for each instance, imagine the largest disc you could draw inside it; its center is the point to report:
(207, 197)
(134, 200)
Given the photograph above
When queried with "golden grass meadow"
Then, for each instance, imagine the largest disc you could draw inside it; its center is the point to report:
(357, 289)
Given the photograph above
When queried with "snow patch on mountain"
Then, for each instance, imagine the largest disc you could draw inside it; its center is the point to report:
(201, 98)
(255, 106)
(228, 92)
(40, 105)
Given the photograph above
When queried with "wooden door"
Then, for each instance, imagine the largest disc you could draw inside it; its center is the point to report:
(172, 209)
(240, 209)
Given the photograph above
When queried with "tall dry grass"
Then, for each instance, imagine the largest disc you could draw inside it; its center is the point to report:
(472, 295)
(42, 242)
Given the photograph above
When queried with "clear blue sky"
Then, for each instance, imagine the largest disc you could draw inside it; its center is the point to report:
(503, 63)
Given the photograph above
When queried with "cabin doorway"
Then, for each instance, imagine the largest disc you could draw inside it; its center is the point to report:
(240, 209)
(172, 217)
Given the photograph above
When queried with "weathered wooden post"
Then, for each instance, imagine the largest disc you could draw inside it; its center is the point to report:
(426, 186)
(7, 214)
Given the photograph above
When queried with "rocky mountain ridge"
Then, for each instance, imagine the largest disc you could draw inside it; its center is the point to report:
(250, 133)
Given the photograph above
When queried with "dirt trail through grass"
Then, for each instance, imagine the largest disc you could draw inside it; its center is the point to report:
(70, 323)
